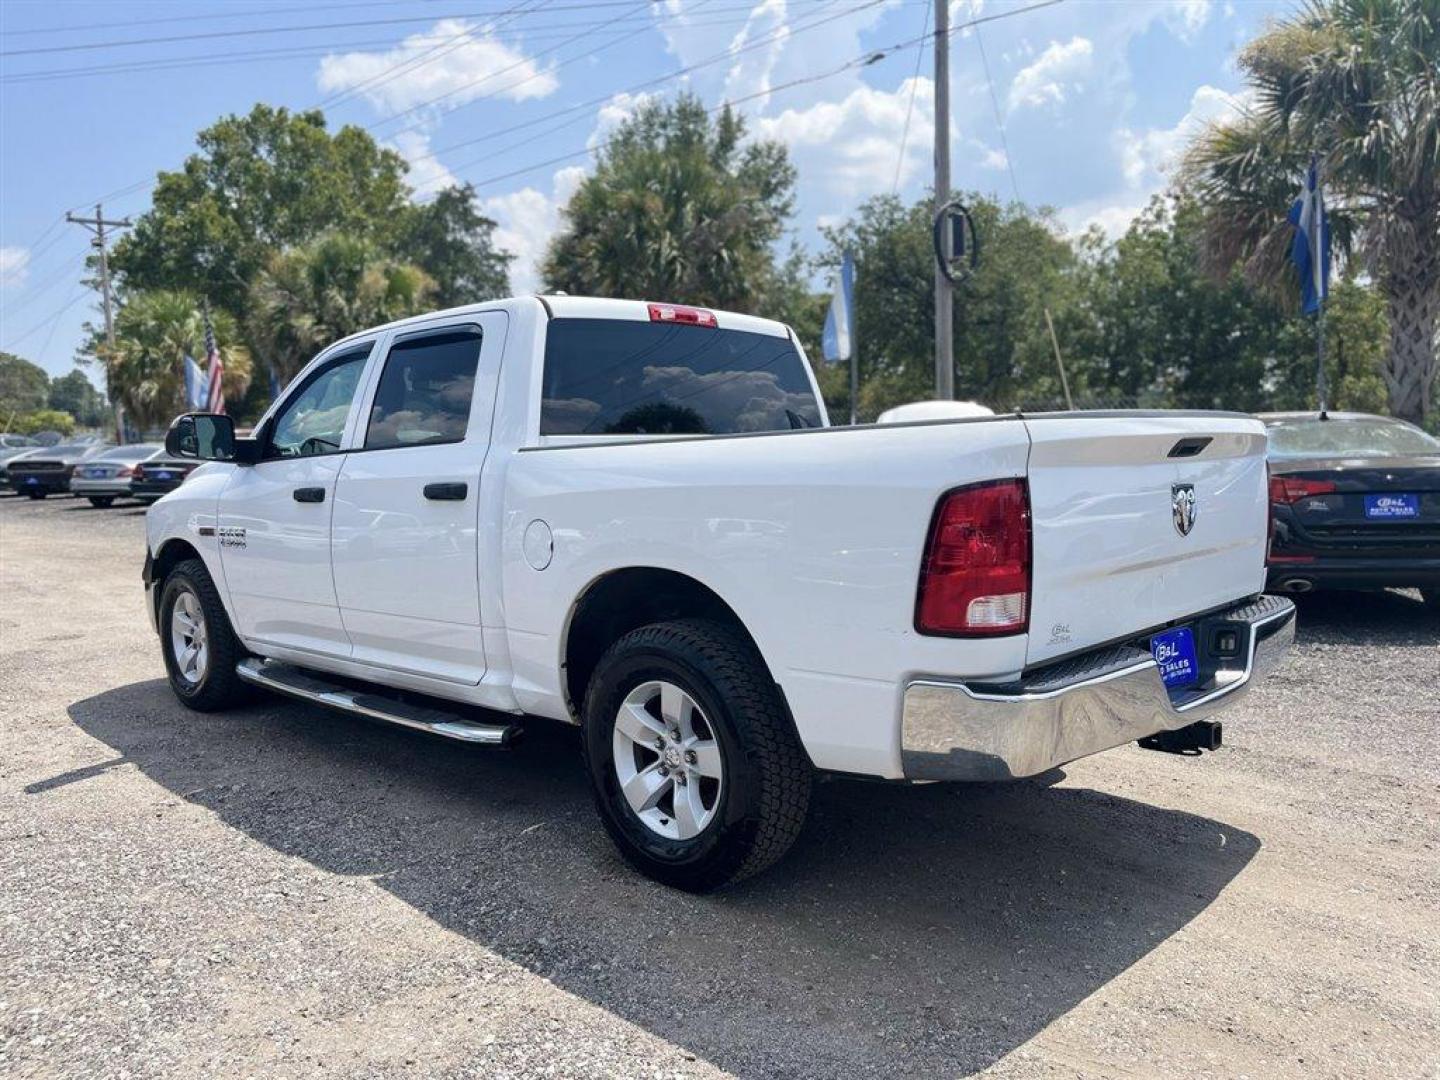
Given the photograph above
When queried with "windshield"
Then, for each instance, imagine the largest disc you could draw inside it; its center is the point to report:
(622, 377)
(1349, 438)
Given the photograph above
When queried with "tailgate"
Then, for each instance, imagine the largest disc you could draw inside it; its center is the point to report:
(1111, 501)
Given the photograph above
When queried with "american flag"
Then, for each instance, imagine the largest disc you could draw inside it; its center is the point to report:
(215, 402)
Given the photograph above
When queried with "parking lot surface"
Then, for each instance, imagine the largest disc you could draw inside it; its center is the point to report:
(282, 891)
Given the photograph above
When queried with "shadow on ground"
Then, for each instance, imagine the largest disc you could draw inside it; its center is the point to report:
(939, 927)
(1384, 617)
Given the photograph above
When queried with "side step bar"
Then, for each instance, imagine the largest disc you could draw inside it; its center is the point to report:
(309, 686)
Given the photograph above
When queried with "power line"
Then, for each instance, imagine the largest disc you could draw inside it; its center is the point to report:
(910, 108)
(519, 63)
(429, 56)
(552, 29)
(870, 57)
(249, 13)
(74, 299)
(634, 88)
(262, 31)
(999, 123)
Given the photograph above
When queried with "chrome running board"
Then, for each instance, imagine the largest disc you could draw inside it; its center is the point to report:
(309, 686)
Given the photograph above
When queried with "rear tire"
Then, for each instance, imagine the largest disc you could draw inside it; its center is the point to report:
(102, 502)
(198, 643)
(1432, 599)
(36, 494)
(754, 768)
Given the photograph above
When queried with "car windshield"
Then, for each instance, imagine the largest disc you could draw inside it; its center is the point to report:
(134, 452)
(1349, 438)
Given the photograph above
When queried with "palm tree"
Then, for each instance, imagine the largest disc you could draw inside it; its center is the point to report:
(311, 296)
(1357, 83)
(154, 332)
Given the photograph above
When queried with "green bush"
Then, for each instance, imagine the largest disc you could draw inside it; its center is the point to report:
(46, 420)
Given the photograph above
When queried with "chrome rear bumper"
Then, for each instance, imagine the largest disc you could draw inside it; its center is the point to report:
(958, 731)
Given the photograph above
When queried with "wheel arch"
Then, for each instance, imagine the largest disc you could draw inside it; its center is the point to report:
(625, 599)
(171, 553)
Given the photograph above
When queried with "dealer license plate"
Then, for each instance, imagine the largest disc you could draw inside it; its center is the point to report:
(1392, 506)
(1174, 651)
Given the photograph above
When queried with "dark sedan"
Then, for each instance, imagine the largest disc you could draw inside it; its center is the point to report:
(1354, 502)
(159, 476)
(48, 471)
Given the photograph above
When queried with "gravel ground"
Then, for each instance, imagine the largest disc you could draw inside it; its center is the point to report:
(283, 891)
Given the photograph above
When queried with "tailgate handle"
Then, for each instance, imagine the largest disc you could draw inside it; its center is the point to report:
(312, 494)
(452, 492)
(1190, 447)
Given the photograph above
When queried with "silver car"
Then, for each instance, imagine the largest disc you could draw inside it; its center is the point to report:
(106, 477)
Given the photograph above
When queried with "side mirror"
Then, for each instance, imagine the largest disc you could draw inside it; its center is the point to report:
(208, 437)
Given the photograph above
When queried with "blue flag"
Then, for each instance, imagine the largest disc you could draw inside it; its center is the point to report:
(1312, 235)
(196, 385)
(838, 337)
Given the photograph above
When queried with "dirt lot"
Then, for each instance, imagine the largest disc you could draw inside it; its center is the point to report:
(285, 892)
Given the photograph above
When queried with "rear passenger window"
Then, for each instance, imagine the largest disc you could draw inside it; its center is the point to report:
(425, 390)
(623, 377)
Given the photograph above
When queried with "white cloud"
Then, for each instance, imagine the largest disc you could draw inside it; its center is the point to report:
(1147, 160)
(14, 266)
(1059, 70)
(525, 221)
(1111, 218)
(1147, 157)
(1186, 18)
(620, 108)
(428, 177)
(851, 146)
(456, 58)
(751, 72)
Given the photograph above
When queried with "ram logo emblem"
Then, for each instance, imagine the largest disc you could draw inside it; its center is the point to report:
(1182, 507)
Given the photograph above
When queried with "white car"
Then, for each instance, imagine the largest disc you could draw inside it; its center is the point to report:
(106, 477)
(635, 518)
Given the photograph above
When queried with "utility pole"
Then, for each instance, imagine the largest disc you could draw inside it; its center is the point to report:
(98, 225)
(944, 334)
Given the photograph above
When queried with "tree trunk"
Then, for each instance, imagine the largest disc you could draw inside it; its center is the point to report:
(1411, 287)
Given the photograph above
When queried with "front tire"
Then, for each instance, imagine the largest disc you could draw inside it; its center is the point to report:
(102, 502)
(199, 645)
(36, 494)
(1432, 599)
(697, 771)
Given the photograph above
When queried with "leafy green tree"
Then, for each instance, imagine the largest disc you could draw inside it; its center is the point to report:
(74, 394)
(154, 332)
(454, 243)
(310, 296)
(1358, 83)
(679, 208)
(259, 183)
(1002, 350)
(45, 420)
(24, 387)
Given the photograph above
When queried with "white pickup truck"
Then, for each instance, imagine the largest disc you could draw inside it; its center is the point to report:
(636, 518)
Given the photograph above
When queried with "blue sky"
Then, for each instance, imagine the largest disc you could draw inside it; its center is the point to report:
(1094, 96)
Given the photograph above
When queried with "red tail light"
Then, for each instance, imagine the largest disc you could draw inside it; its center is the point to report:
(126, 470)
(674, 313)
(1290, 489)
(138, 473)
(975, 578)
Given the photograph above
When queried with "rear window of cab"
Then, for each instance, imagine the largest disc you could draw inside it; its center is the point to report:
(617, 377)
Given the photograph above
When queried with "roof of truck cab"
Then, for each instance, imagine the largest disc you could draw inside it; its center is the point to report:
(580, 307)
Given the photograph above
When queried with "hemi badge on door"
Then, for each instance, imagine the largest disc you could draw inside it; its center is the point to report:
(1182, 507)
